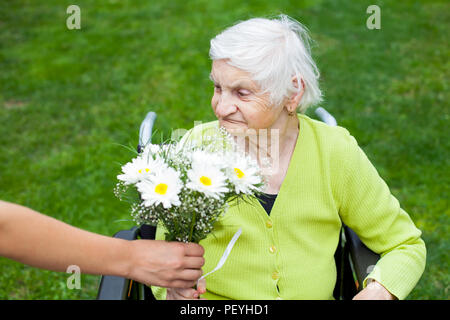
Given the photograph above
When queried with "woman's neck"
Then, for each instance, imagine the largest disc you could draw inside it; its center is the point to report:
(283, 132)
(269, 146)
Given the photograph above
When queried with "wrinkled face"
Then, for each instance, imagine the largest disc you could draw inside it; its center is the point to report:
(237, 101)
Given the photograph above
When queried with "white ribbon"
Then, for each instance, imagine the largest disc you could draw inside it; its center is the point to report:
(225, 254)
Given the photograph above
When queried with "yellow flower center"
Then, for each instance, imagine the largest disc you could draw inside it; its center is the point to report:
(205, 180)
(161, 188)
(239, 173)
(146, 170)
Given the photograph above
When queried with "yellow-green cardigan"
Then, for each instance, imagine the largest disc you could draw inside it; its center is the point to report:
(290, 254)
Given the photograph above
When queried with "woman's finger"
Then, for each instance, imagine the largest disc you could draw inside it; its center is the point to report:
(194, 249)
(201, 286)
(184, 294)
(193, 262)
(190, 274)
(181, 284)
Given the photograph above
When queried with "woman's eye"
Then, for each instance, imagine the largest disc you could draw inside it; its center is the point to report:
(243, 93)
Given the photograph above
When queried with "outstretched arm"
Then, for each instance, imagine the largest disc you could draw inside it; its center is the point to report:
(44, 242)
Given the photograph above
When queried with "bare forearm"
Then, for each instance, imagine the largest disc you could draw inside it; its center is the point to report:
(44, 242)
(374, 291)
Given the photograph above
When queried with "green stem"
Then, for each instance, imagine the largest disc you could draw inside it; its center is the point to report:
(192, 227)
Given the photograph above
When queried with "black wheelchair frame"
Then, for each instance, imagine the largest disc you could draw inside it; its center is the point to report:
(353, 259)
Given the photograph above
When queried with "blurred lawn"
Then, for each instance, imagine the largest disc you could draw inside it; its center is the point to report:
(67, 98)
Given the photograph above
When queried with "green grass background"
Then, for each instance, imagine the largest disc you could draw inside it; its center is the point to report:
(68, 97)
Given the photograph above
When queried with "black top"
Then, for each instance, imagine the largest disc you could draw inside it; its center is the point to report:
(267, 201)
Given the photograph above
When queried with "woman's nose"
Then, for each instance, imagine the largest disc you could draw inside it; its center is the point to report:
(225, 107)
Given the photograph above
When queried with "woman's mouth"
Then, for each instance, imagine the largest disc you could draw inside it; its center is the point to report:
(232, 121)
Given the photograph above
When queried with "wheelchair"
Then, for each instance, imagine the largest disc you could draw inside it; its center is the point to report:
(353, 259)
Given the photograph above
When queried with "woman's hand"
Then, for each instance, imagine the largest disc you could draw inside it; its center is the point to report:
(374, 291)
(165, 264)
(187, 294)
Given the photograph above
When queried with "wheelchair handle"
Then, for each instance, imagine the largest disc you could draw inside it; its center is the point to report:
(325, 116)
(145, 131)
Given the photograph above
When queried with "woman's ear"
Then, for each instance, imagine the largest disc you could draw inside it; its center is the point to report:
(296, 96)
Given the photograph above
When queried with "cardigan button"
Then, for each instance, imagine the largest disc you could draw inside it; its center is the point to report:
(269, 224)
(275, 276)
(272, 249)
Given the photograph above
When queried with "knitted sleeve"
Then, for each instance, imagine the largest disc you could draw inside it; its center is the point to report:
(368, 207)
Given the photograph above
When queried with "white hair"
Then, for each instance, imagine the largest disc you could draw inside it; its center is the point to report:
(272, 51)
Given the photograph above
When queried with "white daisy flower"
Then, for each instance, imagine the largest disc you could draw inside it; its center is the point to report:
(139, 169)
(243, 172)
(207, 179)
(162, 187)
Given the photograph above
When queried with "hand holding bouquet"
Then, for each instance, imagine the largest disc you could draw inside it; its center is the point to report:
(187, 187)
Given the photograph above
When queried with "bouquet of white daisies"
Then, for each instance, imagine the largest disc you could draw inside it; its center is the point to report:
(185, 187)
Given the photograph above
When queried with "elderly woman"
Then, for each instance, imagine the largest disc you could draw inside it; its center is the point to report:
(263, 74)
